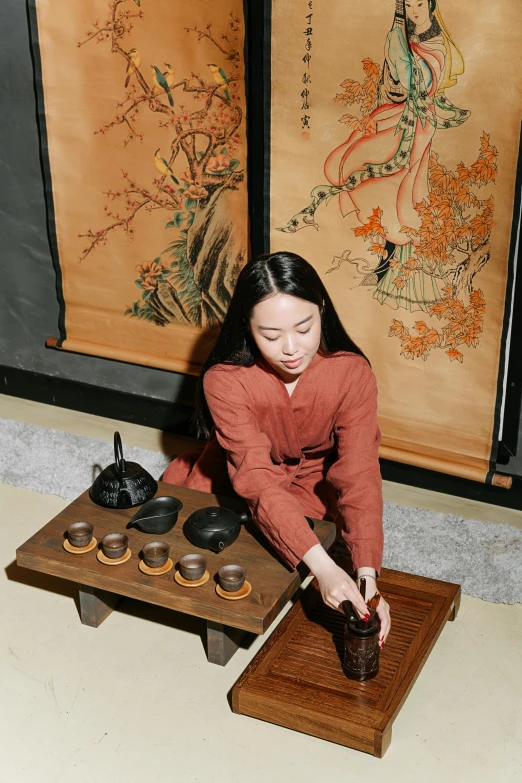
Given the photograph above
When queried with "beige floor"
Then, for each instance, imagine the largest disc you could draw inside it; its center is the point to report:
(135, 699)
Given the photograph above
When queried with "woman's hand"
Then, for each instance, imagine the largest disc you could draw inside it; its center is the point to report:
(383, 611)
(383, 608)
(334, 583)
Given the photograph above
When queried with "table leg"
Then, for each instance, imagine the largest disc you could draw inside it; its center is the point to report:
(222, 642)
(455, 608)
(96, 605)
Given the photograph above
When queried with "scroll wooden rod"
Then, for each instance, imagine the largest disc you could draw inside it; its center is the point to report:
(501, 480)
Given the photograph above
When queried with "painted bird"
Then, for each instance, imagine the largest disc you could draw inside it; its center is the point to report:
(135, 57)
(161, 83)
(220, 77)
(169, 75)
(163, 167)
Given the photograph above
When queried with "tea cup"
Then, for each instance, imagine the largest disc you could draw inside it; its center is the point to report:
(192, 567)
(155, 554)
(80, 534)
(114, 545)
(231, 578)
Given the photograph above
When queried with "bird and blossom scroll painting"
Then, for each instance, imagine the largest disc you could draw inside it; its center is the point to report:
(394, 141)
(143, 109)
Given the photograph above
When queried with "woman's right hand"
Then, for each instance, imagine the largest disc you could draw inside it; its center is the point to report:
(334, 583)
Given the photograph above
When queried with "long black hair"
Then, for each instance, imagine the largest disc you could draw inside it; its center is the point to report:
(431, 32)
(285, 273)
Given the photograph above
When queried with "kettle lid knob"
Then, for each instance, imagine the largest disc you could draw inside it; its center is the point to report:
(213, 511)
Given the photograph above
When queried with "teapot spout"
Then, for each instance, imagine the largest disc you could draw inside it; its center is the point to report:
(133, 523)
(216, 544)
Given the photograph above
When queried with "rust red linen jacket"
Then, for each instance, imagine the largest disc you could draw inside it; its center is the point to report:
(313, 453)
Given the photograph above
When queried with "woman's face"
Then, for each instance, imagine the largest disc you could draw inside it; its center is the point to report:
(418, 11)
(287, 331)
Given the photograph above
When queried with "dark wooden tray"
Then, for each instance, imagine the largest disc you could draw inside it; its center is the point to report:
(296, 679)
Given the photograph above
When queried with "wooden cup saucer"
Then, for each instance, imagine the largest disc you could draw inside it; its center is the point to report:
(196, 583)
(79, 550)
(107, 560)
(145, 569)
(237, 596)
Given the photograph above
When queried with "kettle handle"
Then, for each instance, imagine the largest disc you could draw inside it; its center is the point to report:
(118, 456)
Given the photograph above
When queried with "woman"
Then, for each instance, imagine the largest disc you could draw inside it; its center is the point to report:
(389, 169)
(293, 404)
(386, 164)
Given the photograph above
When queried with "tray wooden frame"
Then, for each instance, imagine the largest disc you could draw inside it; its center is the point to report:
(296, 679)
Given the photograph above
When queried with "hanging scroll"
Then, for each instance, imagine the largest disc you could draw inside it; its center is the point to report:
(394, 142)
(142, 112)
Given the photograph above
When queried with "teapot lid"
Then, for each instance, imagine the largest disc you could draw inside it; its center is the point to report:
(213, 519)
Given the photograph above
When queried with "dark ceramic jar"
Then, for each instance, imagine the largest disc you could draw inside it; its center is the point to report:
(361, 648)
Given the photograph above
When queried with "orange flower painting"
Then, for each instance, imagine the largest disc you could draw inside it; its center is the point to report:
(425, 224)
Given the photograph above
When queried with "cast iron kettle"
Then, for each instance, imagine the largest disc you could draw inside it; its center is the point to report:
(122, 484)
(214, 527)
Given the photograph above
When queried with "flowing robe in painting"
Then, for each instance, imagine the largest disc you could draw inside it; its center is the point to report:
(389, 169)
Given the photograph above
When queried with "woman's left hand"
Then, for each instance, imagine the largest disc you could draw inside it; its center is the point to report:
(383, 609)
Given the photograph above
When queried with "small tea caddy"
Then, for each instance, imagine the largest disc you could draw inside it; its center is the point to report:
(361, 647)
(361, 642)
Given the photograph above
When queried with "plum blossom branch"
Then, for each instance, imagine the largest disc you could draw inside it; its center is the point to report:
(232, 53)
(149, 202)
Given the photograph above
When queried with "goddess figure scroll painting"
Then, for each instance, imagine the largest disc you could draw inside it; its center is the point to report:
(143, 107)
(411, 222)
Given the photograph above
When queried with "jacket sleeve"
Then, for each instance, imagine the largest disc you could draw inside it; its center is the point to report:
(355, 474)
(253, 475)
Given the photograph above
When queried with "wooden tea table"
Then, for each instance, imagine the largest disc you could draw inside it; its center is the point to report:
(101, 587)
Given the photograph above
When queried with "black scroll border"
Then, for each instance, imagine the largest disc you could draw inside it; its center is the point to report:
(45, 164)
(507, 446)
(258, 66)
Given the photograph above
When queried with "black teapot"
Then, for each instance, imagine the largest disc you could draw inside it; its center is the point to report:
(214, 527)
(122, 484)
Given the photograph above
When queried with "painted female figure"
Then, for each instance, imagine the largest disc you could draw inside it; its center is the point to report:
(389, 169)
